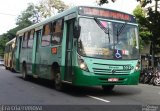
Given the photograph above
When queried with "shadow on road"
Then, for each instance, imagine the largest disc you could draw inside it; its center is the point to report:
(83, 91)
(97, 91)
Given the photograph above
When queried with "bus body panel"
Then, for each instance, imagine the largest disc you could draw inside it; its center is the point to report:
(101, 70)
(17, 53)
(40, 59)
(9, 54)
(29, 61)
(37, 51)
(34, 53)
(83, 78)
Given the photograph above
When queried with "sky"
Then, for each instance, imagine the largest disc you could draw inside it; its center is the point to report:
(10, 9)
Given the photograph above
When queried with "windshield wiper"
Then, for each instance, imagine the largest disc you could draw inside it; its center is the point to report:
(106, 30)
(120, 30)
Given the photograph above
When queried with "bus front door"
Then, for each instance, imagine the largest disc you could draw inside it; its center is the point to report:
(68, 56)
(36, 55)
(17, 53)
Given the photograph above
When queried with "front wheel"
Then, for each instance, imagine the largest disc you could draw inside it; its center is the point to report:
(107, 88)
(24, 73)
(6, 67)
(156, 81)
(58, 82)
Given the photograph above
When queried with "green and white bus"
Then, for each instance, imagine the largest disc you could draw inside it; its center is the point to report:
(83, 46)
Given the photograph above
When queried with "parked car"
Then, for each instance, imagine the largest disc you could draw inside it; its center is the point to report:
(1, 62)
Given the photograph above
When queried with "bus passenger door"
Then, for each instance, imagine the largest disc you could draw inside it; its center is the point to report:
(36, 55)
(17, 53)
(69, 46)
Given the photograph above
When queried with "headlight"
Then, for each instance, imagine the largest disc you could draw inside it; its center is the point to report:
(82, 64)
(137, 66)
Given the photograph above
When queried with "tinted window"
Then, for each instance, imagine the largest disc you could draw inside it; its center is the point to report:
(25, 40)
(30, 40)
(57, 32)
(46, 35)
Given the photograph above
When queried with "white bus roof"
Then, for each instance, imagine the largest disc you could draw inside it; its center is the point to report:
(11, 41)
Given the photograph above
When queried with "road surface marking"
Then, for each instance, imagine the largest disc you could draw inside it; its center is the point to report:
(98, 98)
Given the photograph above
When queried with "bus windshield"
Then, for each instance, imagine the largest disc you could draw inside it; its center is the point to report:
(108, 40)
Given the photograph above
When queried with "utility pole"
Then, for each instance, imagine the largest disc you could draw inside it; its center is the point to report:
(154, 36)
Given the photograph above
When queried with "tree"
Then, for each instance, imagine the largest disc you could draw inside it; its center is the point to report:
(144, 32)
(26, 18)
(143, 3)
(4, 38)
(101, 2)
(3, 41)
(23, 20)
(50, 7)
(30, 16)
(153, 16)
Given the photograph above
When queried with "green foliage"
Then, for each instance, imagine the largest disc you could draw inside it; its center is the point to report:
(154, 26)
(101, 2)
(143, 3)
(30, 16)
(150, 25)
(3, 41)
(144, 32)
(24, 19)
(139, 13)
(46, 8)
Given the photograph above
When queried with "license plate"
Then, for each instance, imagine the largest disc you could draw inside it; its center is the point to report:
(113, 79)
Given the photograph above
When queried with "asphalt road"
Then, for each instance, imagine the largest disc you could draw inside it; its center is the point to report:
(15, 90)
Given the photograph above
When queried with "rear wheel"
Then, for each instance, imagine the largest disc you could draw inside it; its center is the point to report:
(107, 88)
(24, 72)
(6, 67)
(57, 78)
(58, 83)
(12, 70)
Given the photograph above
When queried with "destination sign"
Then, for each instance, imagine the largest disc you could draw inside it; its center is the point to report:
(105, 13)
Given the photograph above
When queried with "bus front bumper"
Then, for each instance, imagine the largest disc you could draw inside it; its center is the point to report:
(84, 78)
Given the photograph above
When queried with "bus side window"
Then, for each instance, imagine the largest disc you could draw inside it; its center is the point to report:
(57, 32)
(30, 39)
(16, 43)
(46, 35)
(25, 40)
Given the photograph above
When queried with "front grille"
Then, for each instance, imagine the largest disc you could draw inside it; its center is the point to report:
(99, 71)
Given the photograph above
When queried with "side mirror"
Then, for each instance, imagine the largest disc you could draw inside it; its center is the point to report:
(76, 30)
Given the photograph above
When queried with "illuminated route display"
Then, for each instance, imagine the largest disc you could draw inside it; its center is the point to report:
(106, 13)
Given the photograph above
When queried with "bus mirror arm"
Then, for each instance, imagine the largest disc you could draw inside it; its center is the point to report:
(76, 31)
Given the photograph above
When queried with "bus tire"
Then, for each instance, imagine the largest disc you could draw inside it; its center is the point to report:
(107, 88)
(10, 67)
(6, 67)
(56, 76)
(57, 81)
(12, 70)
(24, 72)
